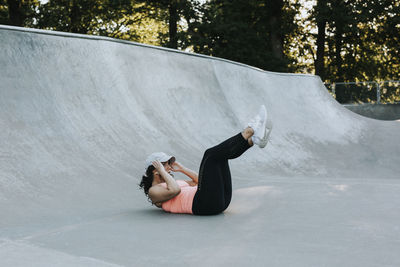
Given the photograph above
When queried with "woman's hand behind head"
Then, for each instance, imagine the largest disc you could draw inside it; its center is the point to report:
(157, 164)
(176, 167)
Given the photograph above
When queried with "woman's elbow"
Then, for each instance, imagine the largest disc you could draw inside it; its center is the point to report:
(176, 191)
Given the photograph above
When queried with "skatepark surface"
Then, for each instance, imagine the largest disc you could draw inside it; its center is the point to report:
(79, 115)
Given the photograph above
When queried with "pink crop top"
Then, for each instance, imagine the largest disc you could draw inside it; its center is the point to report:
(182, 203)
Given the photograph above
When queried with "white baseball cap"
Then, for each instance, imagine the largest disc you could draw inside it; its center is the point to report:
(160, 156)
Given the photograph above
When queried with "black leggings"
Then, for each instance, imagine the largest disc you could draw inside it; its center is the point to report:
(214, 191)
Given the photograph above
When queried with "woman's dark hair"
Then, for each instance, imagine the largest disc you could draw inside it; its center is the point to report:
(147, 181)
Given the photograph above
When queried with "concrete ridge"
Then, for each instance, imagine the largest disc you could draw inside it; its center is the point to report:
(110, 39)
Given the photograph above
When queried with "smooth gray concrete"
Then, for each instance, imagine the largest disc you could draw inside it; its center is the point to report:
(79, 114)
(377, 111)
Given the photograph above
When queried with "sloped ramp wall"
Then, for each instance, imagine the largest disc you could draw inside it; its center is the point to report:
(80, 114)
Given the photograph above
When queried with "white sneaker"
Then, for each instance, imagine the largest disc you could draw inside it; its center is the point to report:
(263, 129)
(258, 124)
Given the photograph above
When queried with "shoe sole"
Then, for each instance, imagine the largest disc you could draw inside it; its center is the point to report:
(267, 131)
(264, 141)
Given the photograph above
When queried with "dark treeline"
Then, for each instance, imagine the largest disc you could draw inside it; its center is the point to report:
(339, 40)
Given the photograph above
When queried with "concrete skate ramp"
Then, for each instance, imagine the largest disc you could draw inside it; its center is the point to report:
(79, 114)
(377, 111)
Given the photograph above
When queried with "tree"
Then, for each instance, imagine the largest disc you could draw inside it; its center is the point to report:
(356, 41)
(104, 17)
(17, 12)
(173, 12)
(4, 17)
(321, 17)
(123, 19)
(275, 10)
(252, 32)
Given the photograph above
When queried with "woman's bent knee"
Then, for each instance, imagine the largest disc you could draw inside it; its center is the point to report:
(208, 152)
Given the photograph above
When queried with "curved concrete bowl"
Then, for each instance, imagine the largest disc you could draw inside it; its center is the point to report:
(79, 115)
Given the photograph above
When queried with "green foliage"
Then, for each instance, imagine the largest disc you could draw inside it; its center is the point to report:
(390, 91)
(4, 18)
(178, 16)
(239, 30)
(362, 39)
(100, 17)
(22, 14)
(122, 19)
(358, 40)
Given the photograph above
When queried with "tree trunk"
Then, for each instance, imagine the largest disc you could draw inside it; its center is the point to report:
(341, 94)
(321, 24)
(14, 12)
(338, 57)
(173, 24)
(76, 25)
(74, 18)
(275, 21)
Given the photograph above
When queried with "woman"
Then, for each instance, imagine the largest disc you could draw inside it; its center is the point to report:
(210, 192)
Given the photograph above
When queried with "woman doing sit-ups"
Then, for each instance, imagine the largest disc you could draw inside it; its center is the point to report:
(210, 191)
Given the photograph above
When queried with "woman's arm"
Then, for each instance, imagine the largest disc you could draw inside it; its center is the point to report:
(188, 172)
(158, 193)
(169, 180)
